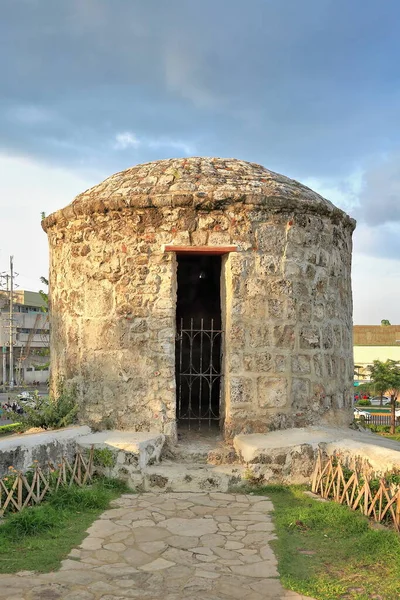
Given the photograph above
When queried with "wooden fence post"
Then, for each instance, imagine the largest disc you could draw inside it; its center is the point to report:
(14, 497)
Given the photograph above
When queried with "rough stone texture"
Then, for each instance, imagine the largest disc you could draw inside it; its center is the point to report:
(132, 451)
(20, 451)
(171, 556)
(173, 477)
(286, 295)
(289, 457)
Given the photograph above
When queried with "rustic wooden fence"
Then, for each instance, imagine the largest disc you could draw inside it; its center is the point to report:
(18, 489)
(380, 420)
(378, 499)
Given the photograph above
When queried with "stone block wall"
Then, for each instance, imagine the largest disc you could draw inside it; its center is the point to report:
(113, 322)
(288, 359)
(286, 299)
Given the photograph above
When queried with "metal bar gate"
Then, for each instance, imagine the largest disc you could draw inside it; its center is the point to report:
(198, 372)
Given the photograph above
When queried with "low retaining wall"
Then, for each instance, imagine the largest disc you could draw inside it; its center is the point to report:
(127, 453)
(288, 456)
(20, 451)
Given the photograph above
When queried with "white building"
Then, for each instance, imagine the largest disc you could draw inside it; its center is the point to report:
(30, 332)
(373, 342)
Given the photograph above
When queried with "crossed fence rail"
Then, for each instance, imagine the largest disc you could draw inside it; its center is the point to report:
(378, 499)
(18, 489)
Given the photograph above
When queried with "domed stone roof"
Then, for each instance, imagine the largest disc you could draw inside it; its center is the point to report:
(211, 183)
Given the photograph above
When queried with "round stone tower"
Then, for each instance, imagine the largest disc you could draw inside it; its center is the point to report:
(203, 291)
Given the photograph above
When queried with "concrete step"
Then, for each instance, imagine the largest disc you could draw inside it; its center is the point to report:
(170, 476)
(201, 451)
(129, 450)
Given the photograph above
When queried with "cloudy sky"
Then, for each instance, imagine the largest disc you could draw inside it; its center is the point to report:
(307, 88)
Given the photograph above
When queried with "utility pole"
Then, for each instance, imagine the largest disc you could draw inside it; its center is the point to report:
(4, 353)
(11, 323)
(9, 278)
(4, 276)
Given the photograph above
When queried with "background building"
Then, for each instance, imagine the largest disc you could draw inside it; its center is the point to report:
(374, 342)
(30, 337)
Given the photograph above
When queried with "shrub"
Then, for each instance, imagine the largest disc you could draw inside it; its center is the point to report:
(379, 428)
(10, 428)
(364, 402)
(104, 457)
(48, 412)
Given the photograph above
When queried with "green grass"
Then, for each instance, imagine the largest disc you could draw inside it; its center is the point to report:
(383, 430)
(395, 437)
(329, 552)
(38, 538)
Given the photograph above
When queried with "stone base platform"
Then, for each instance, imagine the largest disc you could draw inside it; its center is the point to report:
(288, 456)
(204, 465)
(191, 477)
(20, 451)
(131, 451)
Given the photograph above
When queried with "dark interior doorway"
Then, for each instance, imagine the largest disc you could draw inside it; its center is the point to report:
(198, 341)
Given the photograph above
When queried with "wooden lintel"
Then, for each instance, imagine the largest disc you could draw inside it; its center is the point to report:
(215, 250)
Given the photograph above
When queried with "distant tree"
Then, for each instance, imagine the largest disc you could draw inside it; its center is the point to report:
(380, 378)
(45, 308)
(385, 322)
(385, 377)
(45, 295)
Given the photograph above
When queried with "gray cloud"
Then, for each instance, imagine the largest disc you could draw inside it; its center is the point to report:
(376, 206)
(381, 241)
(297, 86)
(380, 196)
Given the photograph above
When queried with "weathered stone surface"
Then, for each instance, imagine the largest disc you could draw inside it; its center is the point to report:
(277, 456)
(103, 528)
(213, 540)
(157, 565)
(286, 291)
(128, 447)
(92, 543)
(264, 569)
(20, 451)
(190, 527)
(210, 572)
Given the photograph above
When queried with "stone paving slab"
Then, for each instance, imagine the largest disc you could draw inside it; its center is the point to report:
(176, 546)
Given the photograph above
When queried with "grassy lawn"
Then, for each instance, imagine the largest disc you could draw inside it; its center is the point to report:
(38, 538)
(329, 552)
(395, 437)
(383, 430)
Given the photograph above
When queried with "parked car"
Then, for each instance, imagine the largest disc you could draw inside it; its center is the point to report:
(25, 396)
(362, 414)
(27, 402)
(26, 399)
(376, 400)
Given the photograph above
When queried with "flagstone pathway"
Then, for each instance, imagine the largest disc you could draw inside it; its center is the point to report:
(176, 546)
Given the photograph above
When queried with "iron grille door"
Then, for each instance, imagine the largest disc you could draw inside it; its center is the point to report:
(198, 372)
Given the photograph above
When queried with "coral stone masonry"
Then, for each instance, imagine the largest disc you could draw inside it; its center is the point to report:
(202, 291)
